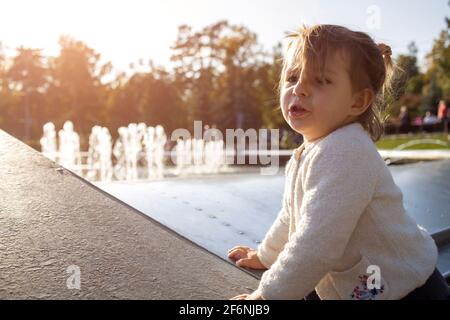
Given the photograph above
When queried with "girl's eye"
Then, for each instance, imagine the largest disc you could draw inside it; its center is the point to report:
(322, 81)
(292, 79)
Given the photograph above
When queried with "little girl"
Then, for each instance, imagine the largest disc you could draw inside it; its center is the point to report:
(342, 231)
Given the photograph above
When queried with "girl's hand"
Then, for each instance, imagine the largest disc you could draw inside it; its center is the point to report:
(245, 257)
(255, 295)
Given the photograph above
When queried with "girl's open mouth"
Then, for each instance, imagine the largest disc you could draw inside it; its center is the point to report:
(297, 112)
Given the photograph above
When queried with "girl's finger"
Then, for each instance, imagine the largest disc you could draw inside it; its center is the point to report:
(240, 297)
(238, 253)
(234, 248)
(239, 247)
(244, 263)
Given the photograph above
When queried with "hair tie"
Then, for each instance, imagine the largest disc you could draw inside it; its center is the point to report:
(385, 50)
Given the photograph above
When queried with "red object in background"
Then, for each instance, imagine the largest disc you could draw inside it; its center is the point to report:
(417, 121)
(442, 110)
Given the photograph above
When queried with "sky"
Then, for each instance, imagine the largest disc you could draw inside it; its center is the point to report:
(124, 31)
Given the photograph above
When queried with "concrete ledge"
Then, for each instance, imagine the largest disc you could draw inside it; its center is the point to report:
(415, 154)
(50, 219)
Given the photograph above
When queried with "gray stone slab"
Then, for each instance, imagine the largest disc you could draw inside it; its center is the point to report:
(426, 192)
(50, 219)
(217, 212)
(221, 211)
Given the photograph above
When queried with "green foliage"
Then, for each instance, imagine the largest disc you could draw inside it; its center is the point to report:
(421, 92)
(439, 59)
(388, 143)
(221, 76)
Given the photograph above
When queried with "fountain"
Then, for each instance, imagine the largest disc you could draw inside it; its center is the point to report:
(48, 141)
(69, 148)
(160, 142)
(99, 161)
(138, 153)
(149, 147)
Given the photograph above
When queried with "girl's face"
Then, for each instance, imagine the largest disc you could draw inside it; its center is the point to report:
(316, 107)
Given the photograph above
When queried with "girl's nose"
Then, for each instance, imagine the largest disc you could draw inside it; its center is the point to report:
(300, 88)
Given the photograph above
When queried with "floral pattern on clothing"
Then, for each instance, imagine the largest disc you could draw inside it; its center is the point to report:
(361, 292)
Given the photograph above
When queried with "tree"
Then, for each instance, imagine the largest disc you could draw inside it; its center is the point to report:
(215, 71)
(432, 93)
(407, 83)
(77, 92)
(439, 62)
(27, 75)
(267, 90)
(3, 110)
(221, 76)
(5, 92)
(147, 97)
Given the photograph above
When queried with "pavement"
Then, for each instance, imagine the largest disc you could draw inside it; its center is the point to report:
(56, 229)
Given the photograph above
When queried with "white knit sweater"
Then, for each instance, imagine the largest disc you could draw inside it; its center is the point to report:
(341, 213)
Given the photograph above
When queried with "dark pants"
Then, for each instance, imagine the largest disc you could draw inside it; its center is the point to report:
(435, 288)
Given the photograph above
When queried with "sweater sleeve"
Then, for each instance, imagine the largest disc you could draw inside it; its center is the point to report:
(338, 186)
(278, 233)
(274, 240)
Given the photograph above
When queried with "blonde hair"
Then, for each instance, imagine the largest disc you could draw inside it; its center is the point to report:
(371, 65)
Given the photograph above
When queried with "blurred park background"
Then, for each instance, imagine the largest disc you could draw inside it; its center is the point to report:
(211, 65)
